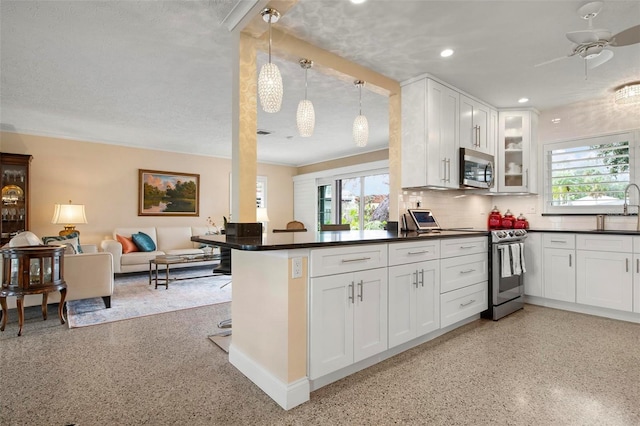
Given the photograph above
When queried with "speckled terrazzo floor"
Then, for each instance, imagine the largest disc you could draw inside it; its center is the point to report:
(538, 366)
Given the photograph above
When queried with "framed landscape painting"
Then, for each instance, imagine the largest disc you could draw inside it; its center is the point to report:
(168, 193)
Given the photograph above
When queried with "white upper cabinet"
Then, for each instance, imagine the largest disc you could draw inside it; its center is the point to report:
(430, 124)
(517, 151)
(476, 126)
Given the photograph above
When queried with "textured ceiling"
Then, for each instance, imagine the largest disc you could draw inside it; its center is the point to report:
(157, 74)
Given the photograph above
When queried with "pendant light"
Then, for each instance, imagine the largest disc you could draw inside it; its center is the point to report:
(360, 124)
(306, 116)
(270, 80)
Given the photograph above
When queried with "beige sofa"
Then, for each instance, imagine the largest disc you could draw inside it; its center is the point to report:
(87, 275)
(169, 240)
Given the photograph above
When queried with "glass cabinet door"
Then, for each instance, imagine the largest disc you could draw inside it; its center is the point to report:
(14, 181)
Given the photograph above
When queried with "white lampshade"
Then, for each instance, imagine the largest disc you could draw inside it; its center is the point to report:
(305, 118)
(361, 130)
(628, 94)
(270, 87)
(69, 214)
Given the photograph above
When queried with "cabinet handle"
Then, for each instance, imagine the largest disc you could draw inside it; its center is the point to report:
(448, 169)
(444, 170)
(478, 136)
(418, 252)
(467, 271)
(361, 290)
(462, 305)
(638, 266)
(569, 260)
(351, 292)
(422, 277)
(558, 241)
(526, 172)
(467, 247)
(627, 263)
(415, 281)
(360, 259)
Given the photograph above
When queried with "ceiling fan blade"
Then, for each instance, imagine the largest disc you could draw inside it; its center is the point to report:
(603, 57)
(629, 36)
(581, 37)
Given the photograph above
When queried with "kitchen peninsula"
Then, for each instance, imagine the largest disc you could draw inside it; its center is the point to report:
(311, 308)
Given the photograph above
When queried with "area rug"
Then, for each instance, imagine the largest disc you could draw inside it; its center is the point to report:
(134, 297)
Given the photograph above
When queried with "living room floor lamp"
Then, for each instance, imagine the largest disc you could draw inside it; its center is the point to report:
(69, 215)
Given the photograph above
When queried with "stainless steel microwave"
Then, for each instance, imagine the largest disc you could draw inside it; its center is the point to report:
(476, 169)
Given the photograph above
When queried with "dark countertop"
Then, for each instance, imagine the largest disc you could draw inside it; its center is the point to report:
(589, 231)
(302, 240)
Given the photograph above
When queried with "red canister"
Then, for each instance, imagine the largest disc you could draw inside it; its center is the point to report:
(508, 220)
(521, 222)
(495, 219)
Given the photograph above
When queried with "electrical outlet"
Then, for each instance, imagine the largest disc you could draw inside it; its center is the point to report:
(296, 267)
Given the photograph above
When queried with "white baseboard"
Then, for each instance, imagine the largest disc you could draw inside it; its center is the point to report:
(583, 309)
(287, 395)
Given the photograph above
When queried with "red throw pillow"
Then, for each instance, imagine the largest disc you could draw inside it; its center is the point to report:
(127, 244)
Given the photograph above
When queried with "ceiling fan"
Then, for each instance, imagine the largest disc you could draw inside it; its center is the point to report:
(593, 44)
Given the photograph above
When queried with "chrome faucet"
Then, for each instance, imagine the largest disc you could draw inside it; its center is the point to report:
(625, 208)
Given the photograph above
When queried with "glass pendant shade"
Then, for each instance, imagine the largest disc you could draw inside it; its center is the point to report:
(361, 130)
(305, 118)
(270, 88)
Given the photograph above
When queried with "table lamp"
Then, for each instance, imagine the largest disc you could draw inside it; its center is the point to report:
(69, 215)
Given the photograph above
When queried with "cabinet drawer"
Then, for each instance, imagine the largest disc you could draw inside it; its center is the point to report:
(553, 240)
(619, 243)
(636, 244)
(463, 303)
(461, 246)
(401, 253)
(458, 272)
(337, 260)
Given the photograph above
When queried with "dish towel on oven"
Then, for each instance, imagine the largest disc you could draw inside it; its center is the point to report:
(512, 259)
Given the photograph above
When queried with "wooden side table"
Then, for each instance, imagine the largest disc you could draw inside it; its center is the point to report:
(32, 270)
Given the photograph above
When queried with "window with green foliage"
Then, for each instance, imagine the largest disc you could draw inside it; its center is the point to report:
(362, 201)
(588, 175)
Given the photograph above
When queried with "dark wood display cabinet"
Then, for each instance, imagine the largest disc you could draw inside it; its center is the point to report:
(32, 270)
(14, 175)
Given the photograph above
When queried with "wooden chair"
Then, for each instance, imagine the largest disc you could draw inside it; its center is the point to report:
(293, 226)
(334, 227)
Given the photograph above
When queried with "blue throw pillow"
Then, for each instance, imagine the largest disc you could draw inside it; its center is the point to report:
(62, 239)
(143, 242)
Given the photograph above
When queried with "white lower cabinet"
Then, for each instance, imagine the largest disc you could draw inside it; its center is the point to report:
(533, 263)
(462, 303)
(559, 267)
(414, 300)
(464, 271)
(348, 319)
(636, 282)
(605, 279)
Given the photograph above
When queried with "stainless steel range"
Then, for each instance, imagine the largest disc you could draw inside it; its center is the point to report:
(507, 272)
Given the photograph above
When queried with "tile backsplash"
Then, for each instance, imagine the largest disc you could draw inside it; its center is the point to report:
(457, 209)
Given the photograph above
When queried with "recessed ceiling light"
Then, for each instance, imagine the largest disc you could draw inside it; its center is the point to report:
(555, 120)
(446, 53)
(357, 1)
(523, 100)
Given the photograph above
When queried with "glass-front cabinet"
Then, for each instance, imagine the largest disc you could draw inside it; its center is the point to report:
(517, 155)
(14, 174)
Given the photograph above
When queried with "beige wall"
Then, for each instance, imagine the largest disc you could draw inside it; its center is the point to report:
(105, 179)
